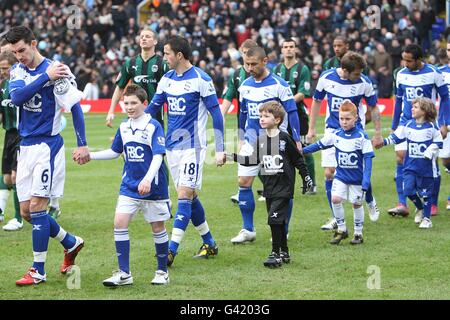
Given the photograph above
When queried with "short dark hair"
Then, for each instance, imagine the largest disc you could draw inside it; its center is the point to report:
(275, 108)
(415, 50)
(341, 38)
(135, 90)
(352, 61)
(442, 54)
(289, 40)
(257, 52)
(15, 34)
(180, 44)
(8, 56)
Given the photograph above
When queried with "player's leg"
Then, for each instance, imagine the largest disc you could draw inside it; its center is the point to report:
(14, 154)
(339, 192)
(125, 209)
(5, 183)
(446, 163)
(235, 197)
(156, 213)
(425, 188)
(181, 170)
(162, 249)
(247, 208)
(50, 175)
(16, 223)
(4, 194)
(193, 178)
(410, 190)
(329, 161)
(246, 198)
(401, 209)
(54, 209)
(356, 199)
(277, 209)
(31, 211)
(434, 199)
(374, 212)
(209, 246)
(182, 217)
(289, 215)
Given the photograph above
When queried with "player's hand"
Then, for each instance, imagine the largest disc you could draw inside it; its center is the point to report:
(377, 140)
(308, 184)
(144, 187)
(229, 156)
(363, 197)
(444, 131)
(220, 158)
(109, 119)
(299, 146)
(378, 143)
(57, 71)
(81, 155)
(311, 135)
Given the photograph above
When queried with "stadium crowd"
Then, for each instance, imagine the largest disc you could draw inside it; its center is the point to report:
(106, 33)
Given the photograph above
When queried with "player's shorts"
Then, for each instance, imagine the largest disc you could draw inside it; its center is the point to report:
(412, 184)
(10, 149)
(445, 151)
(153, 210)
(41, 168)
(243, 171)
(277, 210)
(350, 192)
(329, 155)
(186, 167)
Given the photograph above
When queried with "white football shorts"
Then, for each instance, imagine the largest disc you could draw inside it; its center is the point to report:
(186, 167)
(350, 192)
(329, 155)
(153, 210)
(445, 151)
(40, 172)
(243, 171)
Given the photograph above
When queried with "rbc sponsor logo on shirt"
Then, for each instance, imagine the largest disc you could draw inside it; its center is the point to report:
(416, 150)
(34, 104)
(135, 154)
(253, 110)
(177, 106)
(413, 93)
(273, 164)
(348, 160)
(336, 104)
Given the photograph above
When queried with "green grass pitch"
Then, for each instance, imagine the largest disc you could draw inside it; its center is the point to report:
(409, 263)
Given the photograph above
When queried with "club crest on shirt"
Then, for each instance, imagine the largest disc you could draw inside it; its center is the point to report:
(61, 86)
(161, 141)
(282, 145)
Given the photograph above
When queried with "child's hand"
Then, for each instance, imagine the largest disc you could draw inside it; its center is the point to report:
(229, 156)
(378, 144)
(308, 184)
(144, 187)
